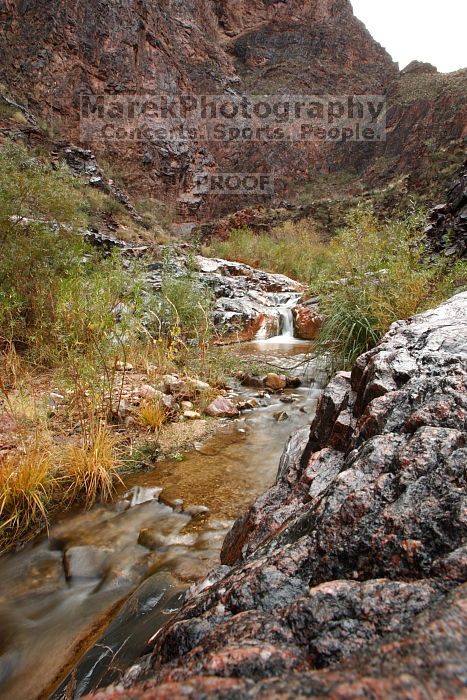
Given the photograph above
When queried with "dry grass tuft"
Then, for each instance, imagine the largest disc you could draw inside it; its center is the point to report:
(27, 485)
(90, 469)
(152, 415)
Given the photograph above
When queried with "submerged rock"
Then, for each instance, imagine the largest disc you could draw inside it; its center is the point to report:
(86, 561)
(349, 573)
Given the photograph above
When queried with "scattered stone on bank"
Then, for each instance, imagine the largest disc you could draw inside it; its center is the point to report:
(146, 391)
(55, 400)
(222, 408)
(173, 384)
(123, 366)
(198, 385)
(191, 415)
(170, 403)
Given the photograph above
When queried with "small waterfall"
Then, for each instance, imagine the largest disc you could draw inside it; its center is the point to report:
(286, 325)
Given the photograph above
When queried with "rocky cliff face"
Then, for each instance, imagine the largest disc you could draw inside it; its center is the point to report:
(346, 579)
(52, 53)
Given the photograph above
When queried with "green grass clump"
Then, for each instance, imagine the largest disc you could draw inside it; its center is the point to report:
(294, 249)
(374, 274)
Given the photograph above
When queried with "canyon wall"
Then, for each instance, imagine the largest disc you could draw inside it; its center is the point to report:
(53, 53)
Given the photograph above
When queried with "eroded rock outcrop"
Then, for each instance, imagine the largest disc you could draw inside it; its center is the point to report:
(447, 231)
(247, 300)
(349, 574)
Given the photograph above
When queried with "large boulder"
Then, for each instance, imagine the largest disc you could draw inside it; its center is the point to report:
(348, 576)
(307, 321)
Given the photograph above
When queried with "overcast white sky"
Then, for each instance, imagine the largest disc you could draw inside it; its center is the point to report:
(426, 30)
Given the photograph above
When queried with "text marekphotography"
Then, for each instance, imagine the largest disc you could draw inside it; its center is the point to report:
(164, 118)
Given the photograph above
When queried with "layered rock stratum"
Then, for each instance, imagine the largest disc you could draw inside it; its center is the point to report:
(347, 579)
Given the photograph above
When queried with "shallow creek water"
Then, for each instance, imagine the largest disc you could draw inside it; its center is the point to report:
(89, 594)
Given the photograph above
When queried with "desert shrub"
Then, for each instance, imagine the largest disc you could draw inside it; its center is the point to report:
(377, 273)
(99, 204)
(152, 415)
(31, 188)
(155, 213)
(59, 300)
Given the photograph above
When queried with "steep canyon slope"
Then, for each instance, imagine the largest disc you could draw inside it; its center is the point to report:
(53, 53)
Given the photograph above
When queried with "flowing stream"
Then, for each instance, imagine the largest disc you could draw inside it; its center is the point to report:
(90, 596)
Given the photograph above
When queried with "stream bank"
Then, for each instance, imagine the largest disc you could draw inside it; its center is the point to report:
(348, 577)
(59, 595)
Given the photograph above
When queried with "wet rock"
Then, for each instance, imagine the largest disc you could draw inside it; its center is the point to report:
(294, 382)
(247, 299)
(222, 408)
(332, 402)
(249, 380)
(447, 232)
(197, 511)
(307, 321)
(43, 575)
(151, 538)
(140, 494)
(168, 525)
(276, 382)
(87, 562)
(281, 416)
(248, 405)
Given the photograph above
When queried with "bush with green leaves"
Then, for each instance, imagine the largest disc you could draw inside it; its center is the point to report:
(185, 304)
(293, 248)
(59, 299)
